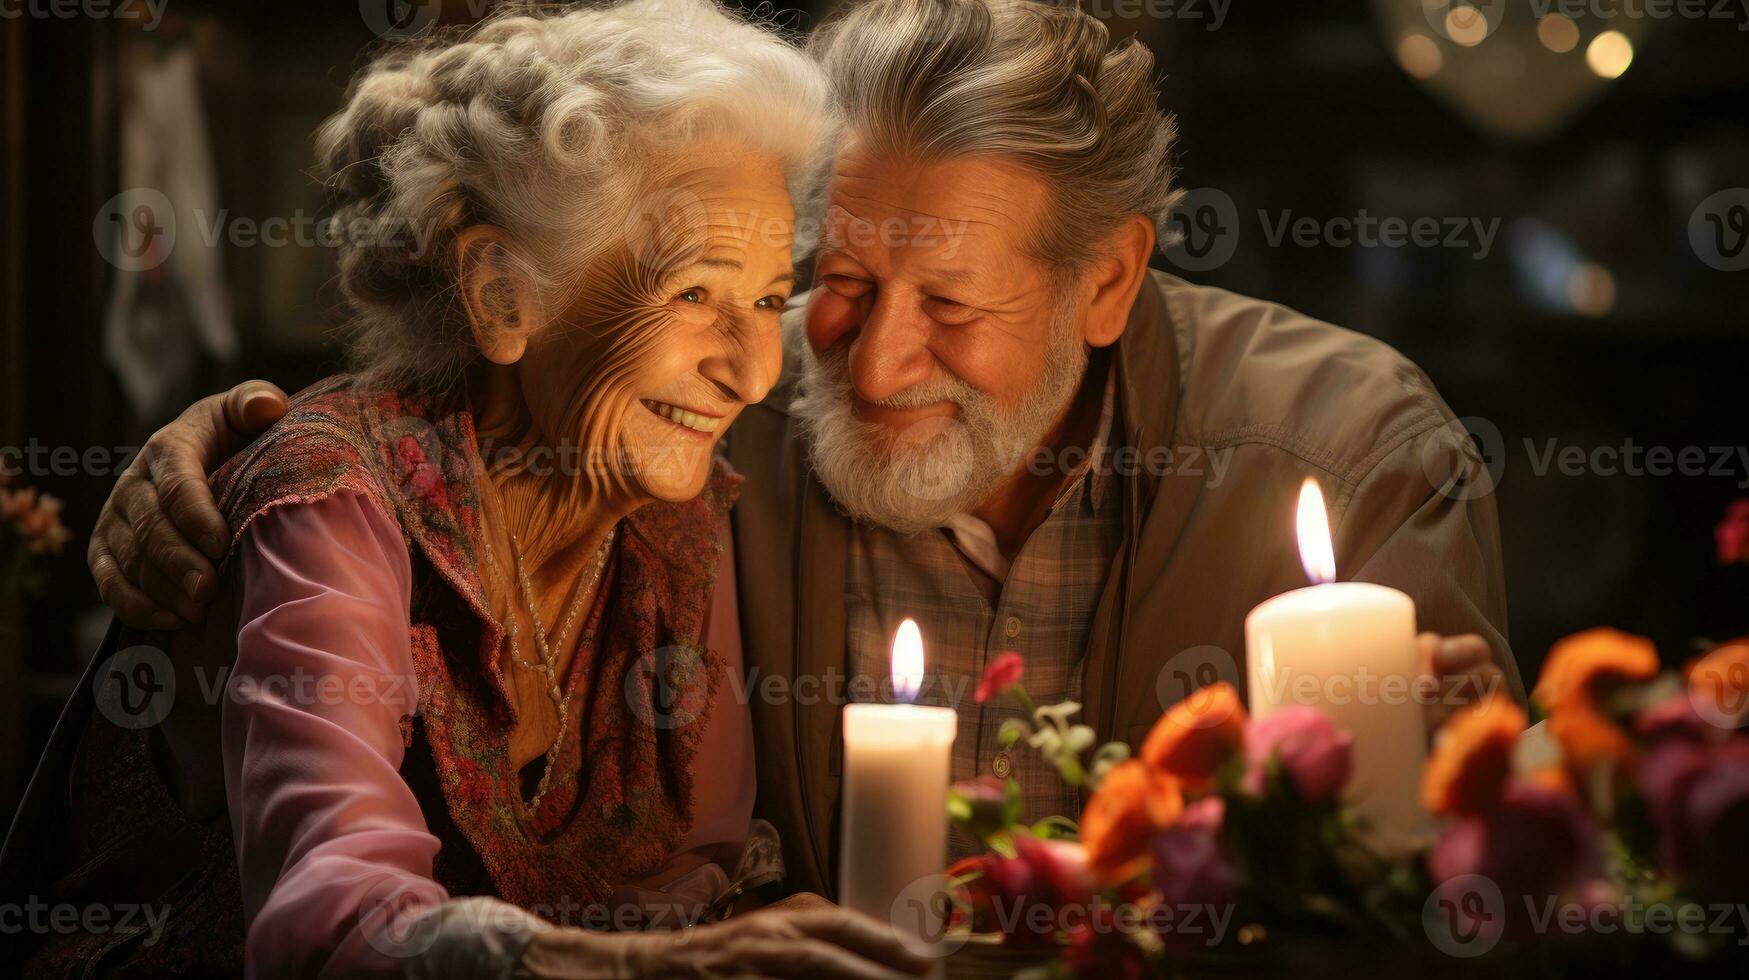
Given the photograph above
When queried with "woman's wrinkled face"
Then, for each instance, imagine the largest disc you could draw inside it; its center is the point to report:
(664, 351)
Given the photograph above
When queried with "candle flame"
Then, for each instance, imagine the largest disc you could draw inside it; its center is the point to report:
(1316, 553)
(907, 662)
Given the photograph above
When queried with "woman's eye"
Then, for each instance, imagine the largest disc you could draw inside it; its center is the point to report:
(693, 295)
(771, 303)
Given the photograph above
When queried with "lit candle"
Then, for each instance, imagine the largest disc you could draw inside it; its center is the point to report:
(896, 769)
(1348, 649)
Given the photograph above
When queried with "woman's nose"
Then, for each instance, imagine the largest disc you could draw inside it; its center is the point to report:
(890, 352)
(747, 365)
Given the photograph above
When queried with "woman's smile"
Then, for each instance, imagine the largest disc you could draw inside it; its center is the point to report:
(702, 423)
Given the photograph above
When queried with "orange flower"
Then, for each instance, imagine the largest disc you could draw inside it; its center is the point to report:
(42, 528)
(1117, 825)
(1581, 664)
(1473, 757)
(1197, 736)
(1553, 779)
(15, 504)
(1718, 683)
(1580, 673)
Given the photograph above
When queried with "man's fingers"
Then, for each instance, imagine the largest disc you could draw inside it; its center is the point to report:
(138, 571)
(251, 407)
(166, 543)
(133, 606)
(861, 934)
(1455, 654)
(802, 958)
(179, 489)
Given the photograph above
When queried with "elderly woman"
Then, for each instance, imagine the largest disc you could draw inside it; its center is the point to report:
(468, 681)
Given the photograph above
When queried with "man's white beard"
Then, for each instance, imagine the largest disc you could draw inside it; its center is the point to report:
(938, 468)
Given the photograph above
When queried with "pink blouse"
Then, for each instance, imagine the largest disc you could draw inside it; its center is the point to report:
(326, 830)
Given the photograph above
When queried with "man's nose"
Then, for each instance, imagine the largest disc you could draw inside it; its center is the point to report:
(890, 352)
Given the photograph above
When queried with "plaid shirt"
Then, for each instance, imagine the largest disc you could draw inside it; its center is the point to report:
(970, 609)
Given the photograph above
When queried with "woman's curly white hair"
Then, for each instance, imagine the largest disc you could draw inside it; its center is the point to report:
(556, 124)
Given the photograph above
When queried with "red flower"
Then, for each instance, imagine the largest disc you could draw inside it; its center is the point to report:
(1000, 675)
(1101, 948)
(1732, 534)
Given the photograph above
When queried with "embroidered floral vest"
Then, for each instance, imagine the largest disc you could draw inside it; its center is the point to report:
(620, 800)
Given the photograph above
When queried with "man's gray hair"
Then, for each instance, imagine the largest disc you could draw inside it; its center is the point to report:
(561, 125)
(1036, 82)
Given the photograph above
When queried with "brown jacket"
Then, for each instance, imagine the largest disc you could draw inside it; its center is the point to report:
(1228, 403)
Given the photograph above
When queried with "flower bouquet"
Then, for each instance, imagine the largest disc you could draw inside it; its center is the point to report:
(30, 527)
(1615, 833)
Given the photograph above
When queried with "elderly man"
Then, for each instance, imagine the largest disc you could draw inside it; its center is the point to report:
(995, 419)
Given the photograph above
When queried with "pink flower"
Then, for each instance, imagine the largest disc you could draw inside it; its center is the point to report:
(1000, 675)
(1314, 754)
(988, 808)
(1192, 871)
(1539, 845)
(1698, 797)
(1044, 886)
(1732, 534)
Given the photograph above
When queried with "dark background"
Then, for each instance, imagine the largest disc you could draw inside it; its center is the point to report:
(1286, 107)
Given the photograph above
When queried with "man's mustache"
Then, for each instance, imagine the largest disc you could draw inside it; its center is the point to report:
(835, 362)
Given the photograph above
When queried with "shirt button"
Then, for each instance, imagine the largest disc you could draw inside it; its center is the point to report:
(1011, 628)
(1002, 766)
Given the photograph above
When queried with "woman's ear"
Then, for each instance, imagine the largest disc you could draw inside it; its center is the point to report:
(1116, 279)
(498, 298)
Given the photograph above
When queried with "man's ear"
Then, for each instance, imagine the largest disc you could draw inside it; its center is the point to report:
(1116, 278)
(498, 298)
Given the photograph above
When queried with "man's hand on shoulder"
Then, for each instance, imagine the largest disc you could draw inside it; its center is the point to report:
(159, 536)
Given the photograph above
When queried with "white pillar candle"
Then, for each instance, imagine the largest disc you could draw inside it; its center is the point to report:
(1347, 649)
(897, 764)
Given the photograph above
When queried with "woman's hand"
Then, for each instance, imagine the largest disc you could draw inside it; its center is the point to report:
(790, 939)
(158, 537)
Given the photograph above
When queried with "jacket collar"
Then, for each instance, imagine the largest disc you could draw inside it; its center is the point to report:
(1148, 377)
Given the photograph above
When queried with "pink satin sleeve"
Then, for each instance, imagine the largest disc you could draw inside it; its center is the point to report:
(326, 830)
